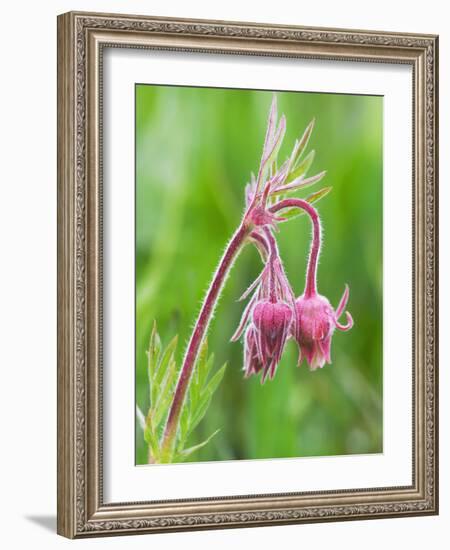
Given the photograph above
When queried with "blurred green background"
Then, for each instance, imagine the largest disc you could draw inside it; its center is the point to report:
(195, 149)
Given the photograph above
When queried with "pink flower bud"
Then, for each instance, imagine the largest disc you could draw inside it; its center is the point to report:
(316, 322)
(272, 322)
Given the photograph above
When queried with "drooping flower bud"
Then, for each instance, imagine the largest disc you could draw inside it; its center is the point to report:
(316, 322)
(272, 322)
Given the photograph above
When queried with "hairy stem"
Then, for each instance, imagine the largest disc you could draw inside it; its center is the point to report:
(198, 334)
(274, 257)
(261, 241)
(311, 272)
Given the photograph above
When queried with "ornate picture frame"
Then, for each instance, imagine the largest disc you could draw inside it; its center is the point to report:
(82, 39)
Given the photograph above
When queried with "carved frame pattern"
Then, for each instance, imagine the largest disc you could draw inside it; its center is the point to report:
(81, 37)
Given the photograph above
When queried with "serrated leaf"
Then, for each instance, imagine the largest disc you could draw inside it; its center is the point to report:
(165, 360)
(165, 394)
(163, 409)
(302, 168)
(289, 214)
(150, 437)
(186, 452)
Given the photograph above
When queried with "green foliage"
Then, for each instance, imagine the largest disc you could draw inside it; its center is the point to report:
(201, 391)
(302, 144)
(302, 168)
(162, 376)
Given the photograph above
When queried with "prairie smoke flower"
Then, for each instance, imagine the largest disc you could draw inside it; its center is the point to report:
(269, 313)
(272, 322)
(265, 338)
(272, 314)
(316, 322)
(271, 182)
(315, 318)
(267, 324)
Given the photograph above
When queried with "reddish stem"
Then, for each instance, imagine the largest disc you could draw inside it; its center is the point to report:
(274, 256)
(260, 240)
(198, 334)
(311, 272)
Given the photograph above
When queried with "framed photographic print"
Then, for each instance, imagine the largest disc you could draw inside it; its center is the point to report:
(247, 274)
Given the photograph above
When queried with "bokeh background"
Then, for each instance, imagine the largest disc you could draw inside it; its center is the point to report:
(195, 149)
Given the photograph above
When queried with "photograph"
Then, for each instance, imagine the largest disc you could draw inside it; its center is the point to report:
(258, 274)
(247, 274)
(223, 242)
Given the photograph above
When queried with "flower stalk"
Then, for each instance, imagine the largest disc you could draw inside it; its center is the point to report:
(316, 319)
(231, 252)
(311, 271)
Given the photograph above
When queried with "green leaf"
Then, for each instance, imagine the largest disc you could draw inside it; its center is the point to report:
(206, 370)
(165, 360)
(203, 368)
(289, 214)
(183, 426)
(163, 409)
(163, 372)
(154, 349)
(302, 168)
(302, 144)
(200, 373)
(214, 382)
(199, 412)
(165, 393)
(140, 418)
(271, 123)
(186, 452)
(317, 195)
(298, 184)
(151, 437)
(270, 154)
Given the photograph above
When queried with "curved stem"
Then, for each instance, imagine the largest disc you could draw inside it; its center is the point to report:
(273, 248)
(198, 334)
(261, 244)
(311, 272)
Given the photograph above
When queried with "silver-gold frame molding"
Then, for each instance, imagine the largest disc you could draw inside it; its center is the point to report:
(81, 40)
